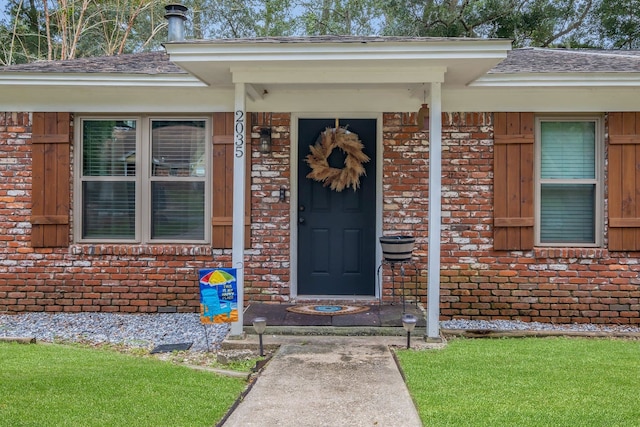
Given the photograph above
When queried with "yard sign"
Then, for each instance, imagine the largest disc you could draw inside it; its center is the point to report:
(218, 295)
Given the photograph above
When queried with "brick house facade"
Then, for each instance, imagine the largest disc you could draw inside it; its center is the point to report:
(560, 285)
(539, 217)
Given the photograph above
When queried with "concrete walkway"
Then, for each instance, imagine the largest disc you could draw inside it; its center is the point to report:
(328, 381)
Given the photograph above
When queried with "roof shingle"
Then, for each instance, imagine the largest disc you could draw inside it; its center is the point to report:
(136, 63)
(538, 60)
(526, 60)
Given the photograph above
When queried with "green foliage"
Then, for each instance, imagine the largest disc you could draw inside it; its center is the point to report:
(124, 26)
(619, 25)
(341, 17)
(526, 22)
(64, 386)
(21, 34)
(241, 18)
(526, 382)
(76, 28)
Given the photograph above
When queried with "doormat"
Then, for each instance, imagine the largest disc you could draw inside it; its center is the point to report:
(327, 310)
(168, 348)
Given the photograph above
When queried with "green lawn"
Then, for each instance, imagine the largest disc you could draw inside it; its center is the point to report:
(526, 382)
(55, 385)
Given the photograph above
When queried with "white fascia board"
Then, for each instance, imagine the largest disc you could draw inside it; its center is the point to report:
(274, 52)
(333, 75)
(558, 79)
(95, 80)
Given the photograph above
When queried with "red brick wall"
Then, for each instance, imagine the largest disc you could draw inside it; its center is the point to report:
(134, 278)
(546, 285)
(267, 278)
(550, 285)
(405, 184)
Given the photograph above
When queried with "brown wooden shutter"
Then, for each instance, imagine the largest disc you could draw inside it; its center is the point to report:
(513, 181)
(223, 157)
(623, 178)
(51, 140)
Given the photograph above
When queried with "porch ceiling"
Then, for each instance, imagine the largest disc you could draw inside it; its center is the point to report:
(290, 63)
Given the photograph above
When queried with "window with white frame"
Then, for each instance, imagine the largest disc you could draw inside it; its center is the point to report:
(568, 190)
(143, 179)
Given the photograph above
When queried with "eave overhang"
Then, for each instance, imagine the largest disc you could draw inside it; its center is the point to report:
(409, 61)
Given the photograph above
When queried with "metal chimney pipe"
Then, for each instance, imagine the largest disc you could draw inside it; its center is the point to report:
(176, 14)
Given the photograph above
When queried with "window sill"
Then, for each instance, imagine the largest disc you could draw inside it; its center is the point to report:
(142, 249)
(580, 253)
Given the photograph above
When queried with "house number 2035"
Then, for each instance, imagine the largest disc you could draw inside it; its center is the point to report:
(239, 133)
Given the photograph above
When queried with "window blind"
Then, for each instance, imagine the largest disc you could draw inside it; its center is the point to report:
(177, 185)
(568, 150)
(567, 213)
(567, 202)
(108, 182)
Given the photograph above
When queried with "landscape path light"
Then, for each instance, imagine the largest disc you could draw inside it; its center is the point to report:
(409, 323)
(260, 325)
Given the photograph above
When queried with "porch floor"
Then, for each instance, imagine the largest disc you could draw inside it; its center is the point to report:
(377, 315)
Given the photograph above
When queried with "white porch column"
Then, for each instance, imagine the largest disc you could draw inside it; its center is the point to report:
(435, 213)
(239, 162)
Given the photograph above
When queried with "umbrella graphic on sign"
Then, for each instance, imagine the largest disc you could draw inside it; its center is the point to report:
(218, 296)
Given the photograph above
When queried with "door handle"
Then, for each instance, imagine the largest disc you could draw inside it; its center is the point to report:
(300, 220)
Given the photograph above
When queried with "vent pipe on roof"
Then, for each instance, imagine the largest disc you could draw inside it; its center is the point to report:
(176, 14)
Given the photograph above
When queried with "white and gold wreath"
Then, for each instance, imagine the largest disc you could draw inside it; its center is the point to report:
(337, 179)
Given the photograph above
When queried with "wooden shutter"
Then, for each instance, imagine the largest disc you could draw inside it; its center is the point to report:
(623, 178)
(51, 140)
(513, 184)
(223, 156)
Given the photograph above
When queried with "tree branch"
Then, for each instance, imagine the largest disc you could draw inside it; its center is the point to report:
(571, 27)
(47, 24)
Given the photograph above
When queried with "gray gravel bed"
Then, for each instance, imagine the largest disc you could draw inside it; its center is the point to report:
(150, 330)
(136, 330)
(511, 325)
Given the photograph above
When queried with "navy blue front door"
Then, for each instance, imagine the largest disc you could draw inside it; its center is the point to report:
(336, 230)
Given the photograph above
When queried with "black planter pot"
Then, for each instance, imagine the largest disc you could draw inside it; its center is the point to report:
(397, 248)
